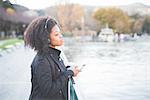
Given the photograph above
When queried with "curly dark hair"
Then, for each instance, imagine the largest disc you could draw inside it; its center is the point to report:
(37, 33)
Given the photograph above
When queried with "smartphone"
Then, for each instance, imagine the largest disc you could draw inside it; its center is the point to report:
(82, 67)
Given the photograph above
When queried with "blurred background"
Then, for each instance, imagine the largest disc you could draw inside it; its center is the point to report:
(110, 37)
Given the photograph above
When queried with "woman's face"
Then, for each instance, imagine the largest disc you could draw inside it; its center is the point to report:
(55, 37)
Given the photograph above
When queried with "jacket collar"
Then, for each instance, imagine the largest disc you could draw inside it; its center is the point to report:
(54, 52)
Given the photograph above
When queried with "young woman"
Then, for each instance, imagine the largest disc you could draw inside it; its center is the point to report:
(49, 74)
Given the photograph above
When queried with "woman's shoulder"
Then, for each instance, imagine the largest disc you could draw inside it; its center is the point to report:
(39, 63)
(39, 59)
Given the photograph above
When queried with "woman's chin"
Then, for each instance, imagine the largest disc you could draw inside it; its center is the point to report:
(60, 44)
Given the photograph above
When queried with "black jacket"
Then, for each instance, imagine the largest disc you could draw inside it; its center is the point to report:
(49, 76)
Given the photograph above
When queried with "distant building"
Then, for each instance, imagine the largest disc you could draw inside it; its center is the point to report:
(14, 19)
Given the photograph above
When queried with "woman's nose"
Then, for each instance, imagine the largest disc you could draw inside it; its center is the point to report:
(61, 36)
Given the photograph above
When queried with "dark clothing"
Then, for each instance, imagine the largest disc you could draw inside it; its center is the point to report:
(49, 76)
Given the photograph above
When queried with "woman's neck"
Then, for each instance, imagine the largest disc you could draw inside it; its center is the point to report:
(51, 46)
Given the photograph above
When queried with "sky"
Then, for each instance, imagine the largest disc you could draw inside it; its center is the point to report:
(41, 4)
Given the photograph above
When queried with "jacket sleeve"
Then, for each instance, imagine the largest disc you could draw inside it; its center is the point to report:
(43, 74)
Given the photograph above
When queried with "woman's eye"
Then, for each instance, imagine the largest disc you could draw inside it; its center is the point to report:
(56, 34)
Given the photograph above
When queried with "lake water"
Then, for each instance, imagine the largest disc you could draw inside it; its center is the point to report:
(114, 71)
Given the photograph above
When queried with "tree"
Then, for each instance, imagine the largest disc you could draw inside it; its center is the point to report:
(136, 23)
(70, 16)
(114, 17)
(146, 25)
(137, 26)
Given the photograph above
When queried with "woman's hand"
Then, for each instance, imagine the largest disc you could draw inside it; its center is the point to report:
(75, 71)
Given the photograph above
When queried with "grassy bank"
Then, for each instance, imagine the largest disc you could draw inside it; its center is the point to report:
(9, 43)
